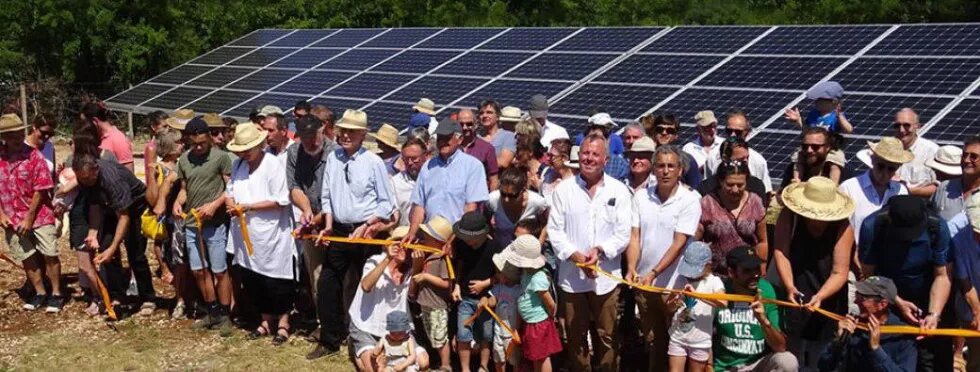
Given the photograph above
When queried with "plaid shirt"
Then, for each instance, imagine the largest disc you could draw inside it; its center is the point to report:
(617, 167)
(21, 174)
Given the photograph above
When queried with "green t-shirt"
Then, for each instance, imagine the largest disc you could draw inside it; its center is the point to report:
(203, 177)
(529, 304)
(738, 337)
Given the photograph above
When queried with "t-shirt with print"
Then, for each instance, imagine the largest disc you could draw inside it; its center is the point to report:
(474, 264)
(203, 177)
(506, 309)
(430, 297)
(23, 173)
(692, 322)
(828, 121)
(738, 338)
(529, 304)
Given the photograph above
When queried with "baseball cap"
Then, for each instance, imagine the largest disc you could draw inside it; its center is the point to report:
(197, 125)
(697, 255)
(307, 125)
(743, 257)
(539, 106)
(908, 217)
(705, 118)
(602, 119)
(419, 120)
(826, 90)
(877, 286)
(448, 126)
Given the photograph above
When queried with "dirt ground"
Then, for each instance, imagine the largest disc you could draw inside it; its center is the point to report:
(72, 340)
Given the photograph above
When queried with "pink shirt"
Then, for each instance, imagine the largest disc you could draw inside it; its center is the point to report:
(114, 141)
(21, 174)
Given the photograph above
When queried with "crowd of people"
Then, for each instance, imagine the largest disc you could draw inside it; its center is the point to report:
(493, 238)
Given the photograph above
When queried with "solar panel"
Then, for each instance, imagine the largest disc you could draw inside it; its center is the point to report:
(140, 93)
(369, 86)
(396, 114)
(416, 61)
(873, 115)
(817, 40)
(220, 101)
(561, 66)
(282, 100)
(512, 92)
(263, 79)
(301, 38)
(659, 69)
(910, 75)
(400, 37)
(439, 89)
(178, 97)
(958, 124)
(772, 72)
(777, 148)
(314, 82)
(262, 57)
(307, 58)
(180, 74)
(489, 64)
(358, 59)
(617, 39)
(338, 105)
(528, 38)
(348, 37)
(705, 39)
(460, 38)
(260, 37)
(758, 105)
(221, 56)
(620, 101)
(931, 40)
(221, 76)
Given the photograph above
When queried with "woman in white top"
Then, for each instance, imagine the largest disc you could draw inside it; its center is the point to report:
(257, 194)
(513, 202)
(563, 160)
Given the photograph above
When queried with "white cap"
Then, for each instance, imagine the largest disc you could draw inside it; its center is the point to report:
(602, 119)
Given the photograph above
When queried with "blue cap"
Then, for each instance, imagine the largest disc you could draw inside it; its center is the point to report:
(696, 256)
(419, 120)
(827, 90)
(397, 321)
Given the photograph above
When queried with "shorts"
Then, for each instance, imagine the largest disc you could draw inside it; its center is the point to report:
(270, 295)
(540, 340)
(481, 330)
(41, 239)
(501, 340)
(215, 240)
(436, 323)
(362, 342)
(695, 353)
(175, 245)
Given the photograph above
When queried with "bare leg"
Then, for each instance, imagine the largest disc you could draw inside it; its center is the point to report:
(205, 284)
(86, 268)
(542, 365)
(484, 354)
(695, 366)
(463, 348)
(32, 268)
(676, 363)
(224, 288)
(52, 266)
(444, 356)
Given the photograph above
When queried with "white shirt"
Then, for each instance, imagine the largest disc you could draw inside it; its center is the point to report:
(658, 221)
(758, 166)
(403, 186)
(282, 156)
(866, 199)
(916, 173)
(368, 310)
(699, 152)
(273, 247)
(693, 328)
(578, 222)
(551, 131)
(433, 125)
(503, 231)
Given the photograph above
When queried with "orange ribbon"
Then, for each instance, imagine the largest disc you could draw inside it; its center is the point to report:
(244, 227)
(383, 243)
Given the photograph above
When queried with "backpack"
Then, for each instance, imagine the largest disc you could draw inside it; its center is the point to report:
(883, 223)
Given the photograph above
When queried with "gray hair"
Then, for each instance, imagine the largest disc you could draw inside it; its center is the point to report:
(910, 111)
(636, 126)
(420, 133)
(671, 149)
(594, 137)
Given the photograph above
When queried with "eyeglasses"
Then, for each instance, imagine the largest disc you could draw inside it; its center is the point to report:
(812, 146)
(971, 156)
(707, 128)
(884, 165)
(665, 130)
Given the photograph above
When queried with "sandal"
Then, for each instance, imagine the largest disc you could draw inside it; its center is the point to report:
(280, 339)
(257, 333)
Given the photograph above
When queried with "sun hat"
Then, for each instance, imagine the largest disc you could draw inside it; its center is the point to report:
(180, 118)
(387, 135)
(947, 160)
(372, 147)
(308, 125)
(196, 126)
(907, 215)
(891, 150)
(447, 127)
(270, 110)
(11, 123)
(826, 90)
(973, 211)
(397, 321)
(644, 144)
(602, 119)
(705, 118)
(877, 286)
(472, 225)
(398, 233)
(539, 106)
(573, 158)
(818, 199)
(524, 252)
(437, 227)
(425, 106)
(743, 257)
(864, 155)
(696, 256)
(247, 136)
(213, 120)
(353, 119)
(510, 114)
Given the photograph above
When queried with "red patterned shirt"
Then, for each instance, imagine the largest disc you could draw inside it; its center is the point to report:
(21, 174)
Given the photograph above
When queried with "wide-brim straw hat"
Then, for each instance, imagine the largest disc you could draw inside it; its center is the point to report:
(818, 199)
(524, 252)
(398, 233)
(947, 160)
(438, 227)
(387, 135)
(180, 118)
(511, 114)
(11, 123)
(425, 106)
(247, 136)
(353, 119)
(891, 149)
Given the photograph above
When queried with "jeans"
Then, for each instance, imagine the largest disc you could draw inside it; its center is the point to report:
(215, 241)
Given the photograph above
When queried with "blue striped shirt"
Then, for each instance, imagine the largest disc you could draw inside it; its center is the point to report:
(356, 188)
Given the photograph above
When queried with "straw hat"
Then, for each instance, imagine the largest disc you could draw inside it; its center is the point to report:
(180, 118)
(387, 135)
(372, 147)
(247, 136)
(510, 114)
(644, 144)
(425, 106)
(947, 160)
(353, 119)
(818, 199)
(890, 149)
(398, 233)
(438, 227)
(524, 252)
(11, 123)
(214, 120)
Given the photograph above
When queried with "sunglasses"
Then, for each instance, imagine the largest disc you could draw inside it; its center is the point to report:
(906, 126)
(510, 195)
(665, 130)
(467, 124)
(812, 146)
(217, 132)
(734, 132)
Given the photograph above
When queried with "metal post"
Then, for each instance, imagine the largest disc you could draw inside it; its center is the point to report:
(23, 102)
(129, 119)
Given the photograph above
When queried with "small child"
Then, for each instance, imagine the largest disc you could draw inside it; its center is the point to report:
(539, 337)
(827, 114)
(503, 301)
(398, 346)
(690, 332)
(432, 287)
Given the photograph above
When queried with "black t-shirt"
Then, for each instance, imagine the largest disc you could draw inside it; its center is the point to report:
(117, 188)
(474, 264)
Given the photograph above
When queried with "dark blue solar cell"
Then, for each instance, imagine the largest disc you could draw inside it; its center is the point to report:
(528, 38)
(307, 58)
(369, 86)
(348, 37)
(314, 82)
(220, 101)
(489, 64)
(772, 72)
(931, 40)
(758, 105)
(262, 57)
(180, 74)
(393, 113)
(691, 39)
(778, 149)
(659, 69)
(958, 124)
(221, 56)
(339, 105)
(139, 94)
(282, 100)
(512, 92)
(260, 37)
(416, 61)
(616, 39)
(263, 79)
(817, 40)
(873, 115)
(442, 90)
(460, 38)
(621, 101)
(910, 75)
(302, 38)
(221, 76)
(400, 37)
(561, 66)
(176, 98)
(358, 59)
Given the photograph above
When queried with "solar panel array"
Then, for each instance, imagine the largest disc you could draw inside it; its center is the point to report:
(626, 71)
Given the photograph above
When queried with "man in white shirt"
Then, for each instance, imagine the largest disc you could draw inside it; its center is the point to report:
(589, 225)
(737, 125)
(706, 141)
(549, 130)
(414, 153)
(873, 188)
(274, 122)
(667, 208)
(919, 178)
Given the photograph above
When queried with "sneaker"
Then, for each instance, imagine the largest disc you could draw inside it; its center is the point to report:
(321, 351)
(204, 323)
(224, 326)
(93, 309)
(179, 311)
(147, 308)
(35, 302)
(55, 304)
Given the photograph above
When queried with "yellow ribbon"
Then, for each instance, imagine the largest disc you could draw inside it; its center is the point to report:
(515, 339)
(885, 329)
(244, 226)
(383, 243)
(200, 234)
